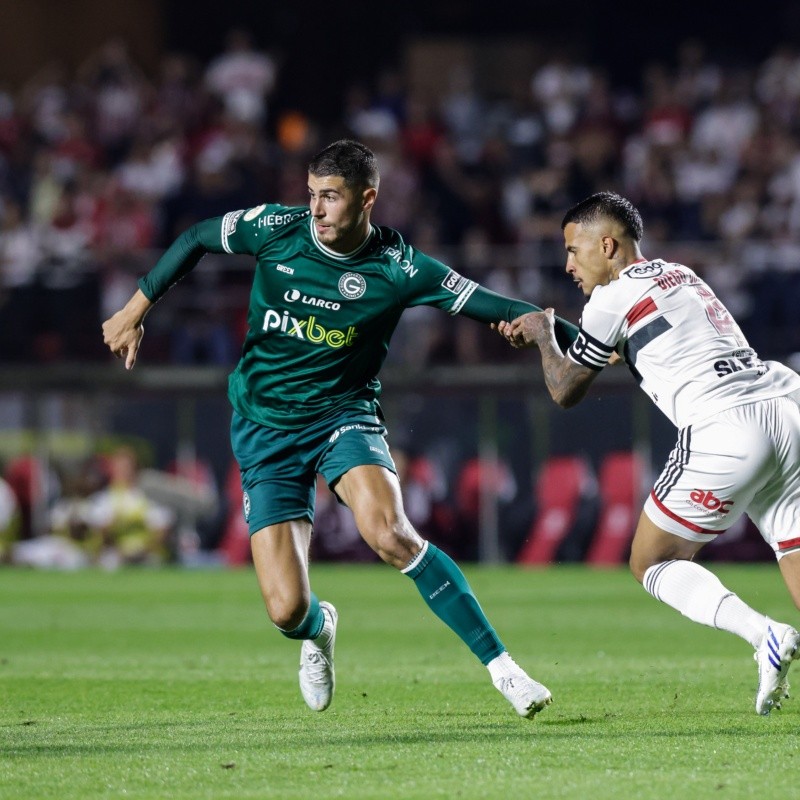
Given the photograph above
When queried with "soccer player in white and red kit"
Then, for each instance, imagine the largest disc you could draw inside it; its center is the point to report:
(738, 448)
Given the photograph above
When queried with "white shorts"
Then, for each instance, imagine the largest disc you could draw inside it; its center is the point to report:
(743, 460)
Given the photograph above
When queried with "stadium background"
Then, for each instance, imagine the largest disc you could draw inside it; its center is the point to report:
(476, 169)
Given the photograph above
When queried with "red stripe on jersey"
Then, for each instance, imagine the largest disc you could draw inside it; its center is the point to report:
(789, 544)
(642, 309)
(686, 524)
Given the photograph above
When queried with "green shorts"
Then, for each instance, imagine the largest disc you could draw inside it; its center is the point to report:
(279, 468)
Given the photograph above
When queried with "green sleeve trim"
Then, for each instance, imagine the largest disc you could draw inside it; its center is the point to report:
(181, 257)
(485, 305)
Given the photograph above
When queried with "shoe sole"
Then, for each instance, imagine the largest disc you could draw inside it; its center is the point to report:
(538, 706)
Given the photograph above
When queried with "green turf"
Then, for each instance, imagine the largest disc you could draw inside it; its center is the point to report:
(173, 684)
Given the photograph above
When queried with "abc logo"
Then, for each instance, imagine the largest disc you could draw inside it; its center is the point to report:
(709, 500)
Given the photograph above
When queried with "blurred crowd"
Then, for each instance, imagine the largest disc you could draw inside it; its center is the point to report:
(109, 510)
(102, 166)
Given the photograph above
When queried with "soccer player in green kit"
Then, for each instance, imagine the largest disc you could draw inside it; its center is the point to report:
(328, 290)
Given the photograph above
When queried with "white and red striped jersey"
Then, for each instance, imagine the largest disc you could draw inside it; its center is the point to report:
(679, 341)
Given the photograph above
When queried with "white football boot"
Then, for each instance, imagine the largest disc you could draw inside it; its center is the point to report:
(317, 677)
(774, 656)
(526, 695)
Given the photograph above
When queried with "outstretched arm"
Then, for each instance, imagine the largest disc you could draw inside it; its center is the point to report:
(566, 381)
(485, 305)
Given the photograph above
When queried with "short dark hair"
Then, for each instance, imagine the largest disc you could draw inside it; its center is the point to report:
(353, 161)
(611, 205)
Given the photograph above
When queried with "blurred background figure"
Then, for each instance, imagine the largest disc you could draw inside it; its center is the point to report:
(133, 529)
(10, 521)
(242, 77)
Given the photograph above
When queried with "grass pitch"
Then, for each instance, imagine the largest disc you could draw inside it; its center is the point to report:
(172, 684)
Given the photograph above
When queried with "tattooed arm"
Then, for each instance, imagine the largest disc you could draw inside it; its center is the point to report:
(566, 381)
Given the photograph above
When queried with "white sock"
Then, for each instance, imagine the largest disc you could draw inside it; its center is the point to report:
(327, 630)
(699, 595)
(503, 666)
(736, 616)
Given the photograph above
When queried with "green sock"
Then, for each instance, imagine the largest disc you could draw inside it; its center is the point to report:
(445, 589)
(311, 626)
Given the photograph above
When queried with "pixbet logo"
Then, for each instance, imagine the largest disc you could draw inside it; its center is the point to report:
(707, 499)
(308, 329)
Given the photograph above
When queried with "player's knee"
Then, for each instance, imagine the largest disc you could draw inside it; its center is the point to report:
(639, 564)
(394, 540)
(286, 613)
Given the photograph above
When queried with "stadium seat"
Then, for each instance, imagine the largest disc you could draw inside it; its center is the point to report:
(479, 480)
(562, 485)
(621, 480)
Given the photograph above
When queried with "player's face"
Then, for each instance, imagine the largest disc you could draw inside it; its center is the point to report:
(587, 256)
(340, 212)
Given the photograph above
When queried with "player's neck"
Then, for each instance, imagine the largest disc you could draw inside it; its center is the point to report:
(353, 241)
(627, 257)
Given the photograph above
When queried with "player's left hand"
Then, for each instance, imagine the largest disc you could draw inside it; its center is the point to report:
(529, 329)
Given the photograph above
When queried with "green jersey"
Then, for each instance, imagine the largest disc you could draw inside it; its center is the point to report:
(319, 322)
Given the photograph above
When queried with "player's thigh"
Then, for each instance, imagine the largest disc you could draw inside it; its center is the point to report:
(711, 476)
(653, 545)
(280, 558)
(775, 509)
(277, 473)
(790, 570)
(373, 494)
(359, 469)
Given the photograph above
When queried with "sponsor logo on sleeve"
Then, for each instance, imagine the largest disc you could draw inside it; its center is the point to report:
(229, 222)
(254, 212)
(454, 282)
(246, 506)
(352, 285)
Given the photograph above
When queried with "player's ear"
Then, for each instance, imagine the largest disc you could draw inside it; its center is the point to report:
(610, 245)
(368, 198)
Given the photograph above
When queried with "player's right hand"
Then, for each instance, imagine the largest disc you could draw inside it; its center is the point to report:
(123, 338)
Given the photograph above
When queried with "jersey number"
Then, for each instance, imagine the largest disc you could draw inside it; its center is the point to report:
(717, 314)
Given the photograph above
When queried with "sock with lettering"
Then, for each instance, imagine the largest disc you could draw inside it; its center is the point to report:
(446, 591)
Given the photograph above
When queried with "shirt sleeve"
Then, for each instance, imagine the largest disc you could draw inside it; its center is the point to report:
(600, 330)
(240, 232)
(181, 257)
(485, 305)
(430, 282)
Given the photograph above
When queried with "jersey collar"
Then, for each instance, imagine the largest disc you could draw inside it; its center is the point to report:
(332, 253)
